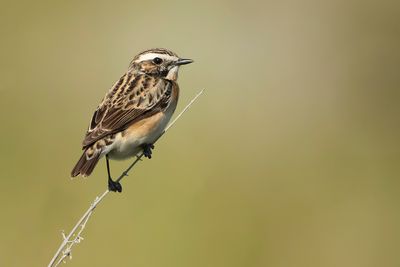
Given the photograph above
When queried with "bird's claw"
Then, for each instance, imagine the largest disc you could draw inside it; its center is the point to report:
(147, 150)
(114, 186)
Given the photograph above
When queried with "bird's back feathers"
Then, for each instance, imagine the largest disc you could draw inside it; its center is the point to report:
(132, 98)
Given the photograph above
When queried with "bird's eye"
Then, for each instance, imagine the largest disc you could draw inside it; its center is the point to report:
(157, 60)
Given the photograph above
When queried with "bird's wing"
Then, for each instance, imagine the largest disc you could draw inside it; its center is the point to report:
(132, 98)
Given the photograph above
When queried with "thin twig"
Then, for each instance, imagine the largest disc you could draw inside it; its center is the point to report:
(74, 237)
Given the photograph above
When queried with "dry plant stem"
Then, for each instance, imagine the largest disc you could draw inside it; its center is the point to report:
(74, 237)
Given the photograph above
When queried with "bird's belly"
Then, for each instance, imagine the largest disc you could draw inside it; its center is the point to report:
(128, 142)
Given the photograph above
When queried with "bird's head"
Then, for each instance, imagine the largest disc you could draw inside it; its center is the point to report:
(158, 62)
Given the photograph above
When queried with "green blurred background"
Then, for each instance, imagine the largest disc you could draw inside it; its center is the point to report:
(290, 158)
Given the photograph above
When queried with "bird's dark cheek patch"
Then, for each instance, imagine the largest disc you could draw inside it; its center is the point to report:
(164, 72)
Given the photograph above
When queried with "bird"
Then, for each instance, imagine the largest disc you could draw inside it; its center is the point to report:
(133, 113)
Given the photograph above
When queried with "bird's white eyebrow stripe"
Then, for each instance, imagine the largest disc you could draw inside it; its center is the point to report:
(149, 56)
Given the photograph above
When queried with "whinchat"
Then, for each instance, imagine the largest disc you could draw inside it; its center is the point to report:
(134, 112)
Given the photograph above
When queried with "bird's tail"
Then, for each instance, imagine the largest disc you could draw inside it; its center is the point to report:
(85, 166)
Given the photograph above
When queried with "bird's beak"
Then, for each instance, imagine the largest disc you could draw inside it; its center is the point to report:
(183, 61)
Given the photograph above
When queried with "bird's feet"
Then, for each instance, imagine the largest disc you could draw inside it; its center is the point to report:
(114, 186)
(147, 150)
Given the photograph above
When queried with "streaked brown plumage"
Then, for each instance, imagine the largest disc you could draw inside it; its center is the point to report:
(135, 110)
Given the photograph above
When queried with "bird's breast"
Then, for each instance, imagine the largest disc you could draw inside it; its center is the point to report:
(145, 131)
